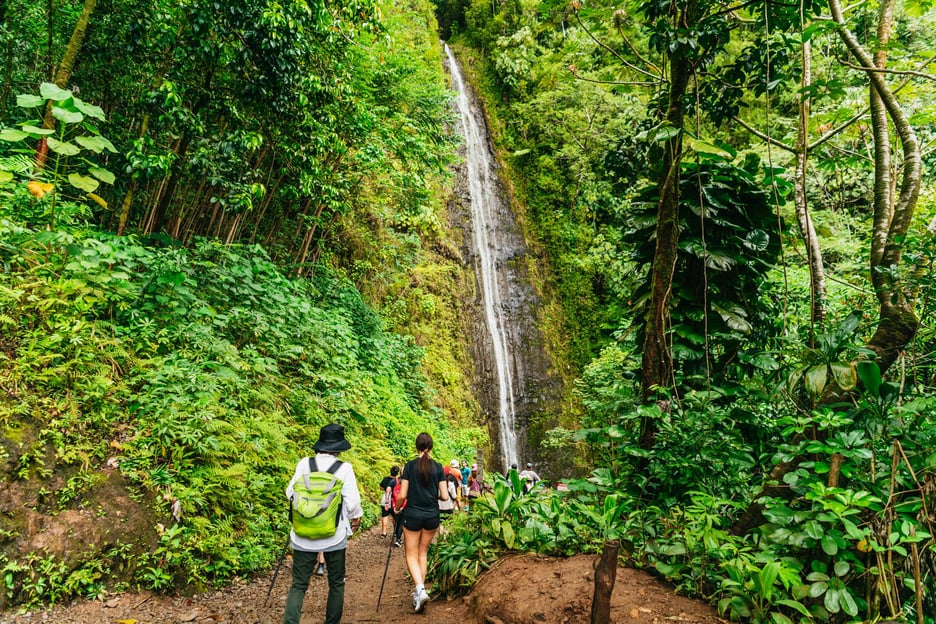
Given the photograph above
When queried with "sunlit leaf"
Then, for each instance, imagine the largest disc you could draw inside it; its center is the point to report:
(98, 200)
(85, 183)
(63, 147)
(90, 109)
(38, 130)
(102, 174)
(29, 101)
(844, 375)
(38, 189)
(734, 316)
(96, 144)
(815, 379)
(53, 92)
(67, 116)
(12, 134)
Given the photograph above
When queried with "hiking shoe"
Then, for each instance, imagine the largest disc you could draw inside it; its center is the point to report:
(420, 598)
(397, 543)
(320, 569)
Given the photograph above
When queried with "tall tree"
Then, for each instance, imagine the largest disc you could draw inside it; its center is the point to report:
(64, 71)
(897, 322)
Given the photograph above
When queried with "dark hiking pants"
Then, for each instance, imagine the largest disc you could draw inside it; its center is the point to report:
(303, 565)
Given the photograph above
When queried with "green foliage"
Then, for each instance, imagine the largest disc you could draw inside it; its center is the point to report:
(75, 138)
(727, 246)
(756, 389)
(217, 372)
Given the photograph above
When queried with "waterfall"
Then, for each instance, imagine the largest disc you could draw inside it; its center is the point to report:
(487, 208)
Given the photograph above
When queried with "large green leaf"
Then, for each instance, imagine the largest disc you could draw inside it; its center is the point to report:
(870, 375)
(63, 147)
(102, 174)
(829, 545)
(90, 109)
(705, 147)
(734, 317)
(96, 144)
(12, 134)
(85, 183)
(719, 261)
(53, 92)
(5, 176)
(844, 375)
(757, 240)
(35, 130)
(815, 379)
(850, 324)
(67, 116)
(29, 101)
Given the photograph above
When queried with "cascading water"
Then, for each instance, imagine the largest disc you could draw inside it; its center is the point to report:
(487, 208)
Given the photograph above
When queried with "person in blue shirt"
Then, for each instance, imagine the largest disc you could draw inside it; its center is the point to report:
(465, 473)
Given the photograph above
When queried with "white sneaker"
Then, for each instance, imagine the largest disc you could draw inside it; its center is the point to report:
(420, 598)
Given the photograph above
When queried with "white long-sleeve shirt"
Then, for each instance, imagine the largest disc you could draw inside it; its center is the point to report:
(350, 505)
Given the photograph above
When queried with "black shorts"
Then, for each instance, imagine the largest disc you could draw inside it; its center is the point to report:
(419, 523)
(386, 512)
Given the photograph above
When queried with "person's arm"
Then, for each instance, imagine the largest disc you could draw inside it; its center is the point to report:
(351, 496)
(290, 491)
(404, 490)
(388, 495)
(443, 490)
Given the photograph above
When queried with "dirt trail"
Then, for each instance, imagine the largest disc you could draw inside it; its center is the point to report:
(518, 590)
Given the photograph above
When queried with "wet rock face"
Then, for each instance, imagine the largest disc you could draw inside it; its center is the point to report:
(513, 382)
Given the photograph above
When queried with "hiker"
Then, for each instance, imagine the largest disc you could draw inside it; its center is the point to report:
(529, 477)
(465, 473)
(422, 486)
(386, 502)
(330, 443)
(447, 507)
(474, 485)
(454, 476)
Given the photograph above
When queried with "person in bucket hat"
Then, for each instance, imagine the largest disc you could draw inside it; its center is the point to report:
(331, 442)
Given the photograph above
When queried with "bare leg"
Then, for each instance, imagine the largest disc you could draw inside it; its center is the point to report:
(411, 548)
(425, 538)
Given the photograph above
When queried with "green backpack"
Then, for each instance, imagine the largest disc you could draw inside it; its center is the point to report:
(316, 505)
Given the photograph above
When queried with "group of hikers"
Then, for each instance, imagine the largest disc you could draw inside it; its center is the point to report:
(461, 482)
(326, 509)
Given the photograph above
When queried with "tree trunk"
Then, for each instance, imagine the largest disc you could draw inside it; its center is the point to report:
(605, 574)
(656, 360)
(162, 209)
(64, 71)
(817, 285)
(898, 322)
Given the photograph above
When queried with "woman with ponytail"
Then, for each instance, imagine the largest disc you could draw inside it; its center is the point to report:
(422, 486)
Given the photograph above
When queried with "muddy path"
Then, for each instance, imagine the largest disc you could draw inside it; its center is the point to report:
(520, 589)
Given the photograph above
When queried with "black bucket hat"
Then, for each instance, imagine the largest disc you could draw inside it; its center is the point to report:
(331, 439)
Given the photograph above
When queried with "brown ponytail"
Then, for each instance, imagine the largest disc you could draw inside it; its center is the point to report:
(424, 467)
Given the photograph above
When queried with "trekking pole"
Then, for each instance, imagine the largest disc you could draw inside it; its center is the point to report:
(387, 565)
(283, 556)
(276, 572)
